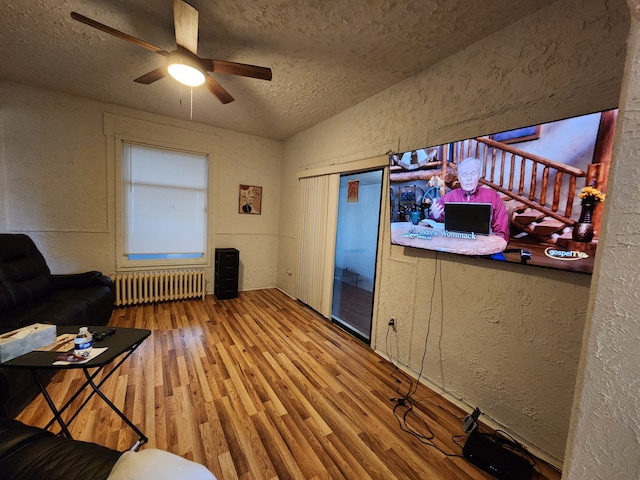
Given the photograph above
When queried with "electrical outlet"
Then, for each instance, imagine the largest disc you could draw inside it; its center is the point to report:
(392, 324)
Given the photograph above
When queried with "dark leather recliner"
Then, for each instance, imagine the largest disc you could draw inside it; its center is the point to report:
(29, 294)
(29, 453)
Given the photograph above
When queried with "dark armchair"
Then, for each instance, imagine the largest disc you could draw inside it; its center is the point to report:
(30, 294)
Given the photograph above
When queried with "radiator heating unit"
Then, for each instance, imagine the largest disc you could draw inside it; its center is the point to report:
(134, 288)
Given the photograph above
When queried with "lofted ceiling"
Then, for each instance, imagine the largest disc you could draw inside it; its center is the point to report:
(326, 56)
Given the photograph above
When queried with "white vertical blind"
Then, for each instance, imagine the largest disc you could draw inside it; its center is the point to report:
(318, 200)
(165, 200)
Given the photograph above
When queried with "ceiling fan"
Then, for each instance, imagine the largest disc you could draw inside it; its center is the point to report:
(185, 60)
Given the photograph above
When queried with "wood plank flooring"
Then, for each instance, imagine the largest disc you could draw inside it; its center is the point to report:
(261, 387)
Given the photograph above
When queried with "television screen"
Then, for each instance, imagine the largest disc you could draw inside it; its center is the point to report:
(539, 191)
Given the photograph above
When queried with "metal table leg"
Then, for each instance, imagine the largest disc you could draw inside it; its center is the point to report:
(90, 377)
(142, 438)
(56, 413)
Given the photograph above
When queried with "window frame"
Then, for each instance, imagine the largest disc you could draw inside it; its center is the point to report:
(122, 261)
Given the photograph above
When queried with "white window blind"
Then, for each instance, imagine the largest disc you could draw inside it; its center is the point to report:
(165, 202)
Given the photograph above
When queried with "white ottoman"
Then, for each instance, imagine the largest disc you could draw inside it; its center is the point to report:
(154, 464)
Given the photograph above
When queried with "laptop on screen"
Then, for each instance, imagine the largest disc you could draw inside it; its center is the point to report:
(468, 217)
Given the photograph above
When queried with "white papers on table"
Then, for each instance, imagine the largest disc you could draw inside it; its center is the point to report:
(92, 354)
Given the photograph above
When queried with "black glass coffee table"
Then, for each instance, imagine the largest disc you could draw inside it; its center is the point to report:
(120, 345)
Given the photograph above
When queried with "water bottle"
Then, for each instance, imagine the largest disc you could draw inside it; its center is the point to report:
(83, 342)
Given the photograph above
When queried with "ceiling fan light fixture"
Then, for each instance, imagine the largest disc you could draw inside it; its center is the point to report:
(185, 70)
(183, 63)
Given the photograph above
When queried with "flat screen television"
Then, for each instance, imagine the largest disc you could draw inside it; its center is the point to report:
(545, 185)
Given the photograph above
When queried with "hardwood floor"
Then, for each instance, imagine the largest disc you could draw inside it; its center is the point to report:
(261, 387)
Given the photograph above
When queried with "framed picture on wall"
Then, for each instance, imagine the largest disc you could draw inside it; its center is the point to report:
(250, 200)
(352, 191)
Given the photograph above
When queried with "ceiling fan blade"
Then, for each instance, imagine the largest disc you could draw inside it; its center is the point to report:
(152, 76)
(185, 19)
(218, 90)
(117, 33)
(233, 68)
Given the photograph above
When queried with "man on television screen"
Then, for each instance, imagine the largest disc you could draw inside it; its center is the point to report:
(468, 177)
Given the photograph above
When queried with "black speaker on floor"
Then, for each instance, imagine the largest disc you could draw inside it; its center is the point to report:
(490, 454)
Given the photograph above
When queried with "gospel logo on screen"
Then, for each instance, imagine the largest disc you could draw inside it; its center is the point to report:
(565, 254)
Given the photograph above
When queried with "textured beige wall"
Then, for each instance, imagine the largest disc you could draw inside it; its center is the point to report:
(505, 338)
(605, 432)
(57, 182)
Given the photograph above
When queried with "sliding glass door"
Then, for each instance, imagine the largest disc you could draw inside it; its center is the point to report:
(356, 251)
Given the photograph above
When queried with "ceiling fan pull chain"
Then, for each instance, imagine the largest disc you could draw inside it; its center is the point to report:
(191, 113)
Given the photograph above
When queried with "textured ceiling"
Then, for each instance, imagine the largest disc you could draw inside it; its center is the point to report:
(326, 56)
